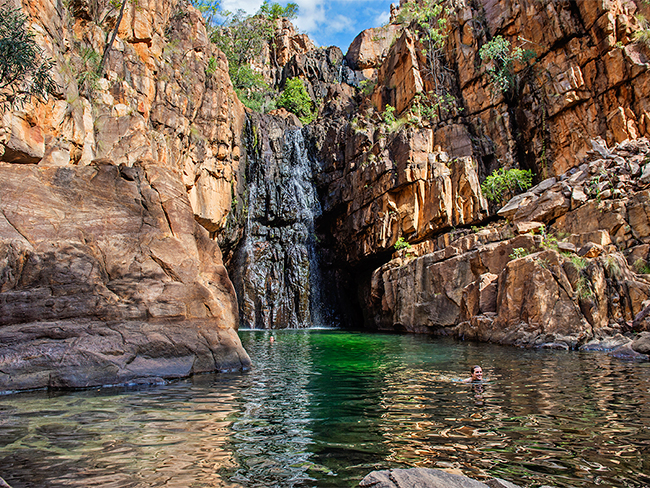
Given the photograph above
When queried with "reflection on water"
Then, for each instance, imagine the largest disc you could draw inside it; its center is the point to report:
(324, 408)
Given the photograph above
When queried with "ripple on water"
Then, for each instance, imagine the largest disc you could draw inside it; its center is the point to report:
(323, 408)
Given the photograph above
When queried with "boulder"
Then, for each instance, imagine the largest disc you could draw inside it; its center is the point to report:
(371, 46)
(535, 303)
(418, 477)
(641, 343)
(626, 351)
(591, 250)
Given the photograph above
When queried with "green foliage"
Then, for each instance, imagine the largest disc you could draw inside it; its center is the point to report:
(504, 183)
(641, 266)
(427, 106)
(24, 69)
(211, 67)
(274, 11)
(583, 288)
(389, 115)
(87, 68)
(643, 34)
(296, 99)
(243, 39)
(367, 87)
(401, 244)
(613, 267)
(519, 252)
(579, 263)
(502, 57)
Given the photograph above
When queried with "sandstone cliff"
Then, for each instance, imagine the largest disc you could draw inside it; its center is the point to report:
(111, 195)
(154, 155)
(420, 181)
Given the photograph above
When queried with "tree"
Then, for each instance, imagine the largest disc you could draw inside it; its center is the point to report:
(24, 69)
(274, 11)
(296, 100)
(109, 45)
(243, 38)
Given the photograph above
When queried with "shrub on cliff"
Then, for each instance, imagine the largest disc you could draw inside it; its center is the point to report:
(24, 69)
(504, 183)
(295, 99)
(501, 58)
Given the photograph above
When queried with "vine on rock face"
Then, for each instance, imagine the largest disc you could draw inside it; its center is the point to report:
(24, 69)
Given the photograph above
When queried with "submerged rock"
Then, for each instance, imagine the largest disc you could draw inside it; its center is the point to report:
(426, 478)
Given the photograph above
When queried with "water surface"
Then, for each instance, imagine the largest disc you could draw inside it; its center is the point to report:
(324, 408)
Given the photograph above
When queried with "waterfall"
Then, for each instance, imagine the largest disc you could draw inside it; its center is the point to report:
(276, 266)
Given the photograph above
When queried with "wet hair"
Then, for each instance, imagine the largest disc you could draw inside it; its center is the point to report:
(474, 369)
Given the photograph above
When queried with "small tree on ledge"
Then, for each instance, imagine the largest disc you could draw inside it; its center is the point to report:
(24, 69)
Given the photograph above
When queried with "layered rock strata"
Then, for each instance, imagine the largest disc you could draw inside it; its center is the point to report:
(569, 269)
(113, 193)
(108, 279)
(165, 96)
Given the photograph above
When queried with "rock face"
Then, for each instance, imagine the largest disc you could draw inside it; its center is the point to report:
(408, 173)
(156, 102)
(588, 79)
(107, 279)
(114, 194)
(275, 268)
(418, 178)
(534, 290)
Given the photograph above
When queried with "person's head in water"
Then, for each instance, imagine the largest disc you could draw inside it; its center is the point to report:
(477, 373)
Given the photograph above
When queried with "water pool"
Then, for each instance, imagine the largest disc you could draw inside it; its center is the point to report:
(324, 408)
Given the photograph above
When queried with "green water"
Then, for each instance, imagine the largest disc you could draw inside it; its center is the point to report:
(324, 408)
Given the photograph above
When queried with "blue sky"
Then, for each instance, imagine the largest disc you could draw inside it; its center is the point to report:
(329, 22)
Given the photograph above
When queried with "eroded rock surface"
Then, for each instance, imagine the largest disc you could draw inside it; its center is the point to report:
(535, 288)
(108, 279)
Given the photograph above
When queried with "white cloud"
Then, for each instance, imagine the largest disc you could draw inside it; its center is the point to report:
(311, 15)
(382, 18)
(249, 6)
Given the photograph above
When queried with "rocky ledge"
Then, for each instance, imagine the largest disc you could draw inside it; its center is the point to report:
(567, 269)
(108, 279)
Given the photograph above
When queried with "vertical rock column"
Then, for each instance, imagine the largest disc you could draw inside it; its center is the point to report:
(275, 266)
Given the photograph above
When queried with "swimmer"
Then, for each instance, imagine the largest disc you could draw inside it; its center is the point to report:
(477, 375)
(272, 340)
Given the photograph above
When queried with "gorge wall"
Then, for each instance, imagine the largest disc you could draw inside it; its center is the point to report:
(120, 194)
(112, 193)
(583, 94)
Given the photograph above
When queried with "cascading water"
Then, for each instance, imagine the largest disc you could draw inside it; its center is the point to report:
(276, 267)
